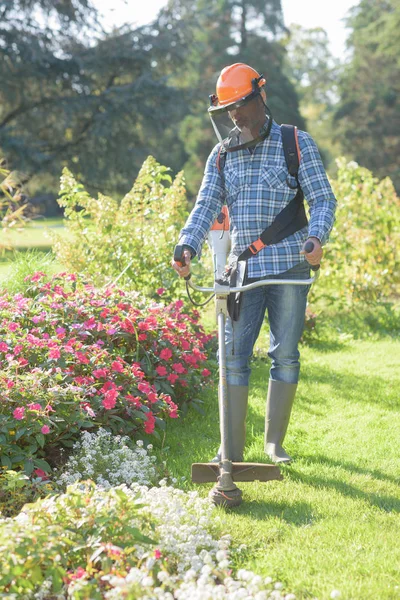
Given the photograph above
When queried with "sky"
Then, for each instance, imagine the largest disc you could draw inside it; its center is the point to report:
(308, 13)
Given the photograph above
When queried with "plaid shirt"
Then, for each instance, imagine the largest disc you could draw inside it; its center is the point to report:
(256, 191)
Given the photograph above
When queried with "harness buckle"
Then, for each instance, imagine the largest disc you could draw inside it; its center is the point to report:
(256, 246)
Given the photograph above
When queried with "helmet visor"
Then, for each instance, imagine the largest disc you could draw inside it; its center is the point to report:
(240, 124)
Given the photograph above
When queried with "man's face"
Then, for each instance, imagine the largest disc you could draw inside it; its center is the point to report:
(250, 116)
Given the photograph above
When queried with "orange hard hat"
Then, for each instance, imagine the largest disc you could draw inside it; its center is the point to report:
(236, 82)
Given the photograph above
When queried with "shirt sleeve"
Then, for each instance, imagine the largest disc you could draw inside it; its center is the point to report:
(207, 207)
(317, 190)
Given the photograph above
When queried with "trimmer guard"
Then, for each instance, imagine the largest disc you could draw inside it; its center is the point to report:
(209, 472)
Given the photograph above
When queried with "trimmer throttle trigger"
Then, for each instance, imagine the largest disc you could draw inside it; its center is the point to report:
(179, 258)
(309, 247)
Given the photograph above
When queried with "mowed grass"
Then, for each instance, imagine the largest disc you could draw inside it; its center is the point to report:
(34, 236)
(333, 523)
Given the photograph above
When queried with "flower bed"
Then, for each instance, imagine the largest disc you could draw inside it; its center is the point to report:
(74, 357)
(122, 543)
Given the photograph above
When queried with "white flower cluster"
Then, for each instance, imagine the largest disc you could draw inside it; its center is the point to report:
(108, 460)
(200, 564)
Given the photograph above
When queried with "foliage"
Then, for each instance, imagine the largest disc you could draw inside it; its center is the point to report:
(16, 489)
(122, 543)
(216, 34)
(71, 94)
(22, 265)
(139, 232)
(75, 357)
(13, 203)
(368, 116)
(314, 72)
(362, 262)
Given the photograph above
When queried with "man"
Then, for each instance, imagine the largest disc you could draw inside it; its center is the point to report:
(256, 186)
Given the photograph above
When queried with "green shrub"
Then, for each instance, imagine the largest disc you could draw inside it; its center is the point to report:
(362, 261)
(22, 266)
(140, 231)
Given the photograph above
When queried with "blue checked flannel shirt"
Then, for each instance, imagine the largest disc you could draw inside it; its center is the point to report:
(256, 191)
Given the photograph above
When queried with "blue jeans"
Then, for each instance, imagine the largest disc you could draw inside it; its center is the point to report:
(286, 307)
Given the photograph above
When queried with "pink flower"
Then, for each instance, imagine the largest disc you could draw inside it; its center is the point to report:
(19, 413)
(55, 353)
(161, 370)
(149, 423)
(34, 406)
(157, 553)
(206, 372)
(185, 345)
(45, 429)
(110, 399)
(60, 331)
(3, 347)
(152, 397)
(38, 275)
(40, 473)
(144, 387)
(117, 367)
(98, 373)
(111, 331)
(142, 337)
(134, 399)
(160, 291)
(166, 354)
(178, 368)
(172, 377)
(82, 358)
(179, 304)
(18, 349)
(13, 326)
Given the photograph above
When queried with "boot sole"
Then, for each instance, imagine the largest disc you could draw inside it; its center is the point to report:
(209, 472)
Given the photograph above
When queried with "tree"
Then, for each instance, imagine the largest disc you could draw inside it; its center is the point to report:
(314, 72)
(217, 33)
(368, 115)
(74, 96)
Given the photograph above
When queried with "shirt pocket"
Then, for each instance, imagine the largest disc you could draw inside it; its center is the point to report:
(274, 176)
(233, 185)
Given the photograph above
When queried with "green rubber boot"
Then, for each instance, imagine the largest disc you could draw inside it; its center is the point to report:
(279, 406)
(238, 399)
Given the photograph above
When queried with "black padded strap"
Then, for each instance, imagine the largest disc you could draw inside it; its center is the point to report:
(290, 149)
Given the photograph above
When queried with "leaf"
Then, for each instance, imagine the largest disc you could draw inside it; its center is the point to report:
(20, 433)
(28, 466)
(40, 439)
(42, 464)
(5, 461)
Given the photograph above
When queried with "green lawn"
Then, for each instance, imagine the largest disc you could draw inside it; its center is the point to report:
(333, 523)
(34, 236)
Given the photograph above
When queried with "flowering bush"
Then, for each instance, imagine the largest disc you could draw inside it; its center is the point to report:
(122, 543)
(16, 489)
(108, 460)
(74, 357)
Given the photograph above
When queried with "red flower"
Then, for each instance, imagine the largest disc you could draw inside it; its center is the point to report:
(98, 373)
(160, 291)
(172, 377)
(166, 354)
(161, 370)
(117, 367)
(149, 423)
(40, 473)
(206, 372)
(19, 413)
(110, 399)
(55, 353)
(178, 368)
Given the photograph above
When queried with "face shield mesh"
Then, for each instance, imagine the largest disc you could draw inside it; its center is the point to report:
(241, 124)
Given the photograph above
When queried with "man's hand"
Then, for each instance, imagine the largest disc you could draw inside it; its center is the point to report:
(183, 271)
(314, 257)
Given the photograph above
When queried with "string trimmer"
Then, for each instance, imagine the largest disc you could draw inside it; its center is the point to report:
(226, 473)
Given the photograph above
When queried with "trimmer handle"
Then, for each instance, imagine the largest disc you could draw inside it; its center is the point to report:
(309, 247)
(179, 258)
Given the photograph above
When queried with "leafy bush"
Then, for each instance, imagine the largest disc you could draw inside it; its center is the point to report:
(139, 232)
(74, 357)
(122, 543)
(13, 205)
(362, 262)
(16, 489)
